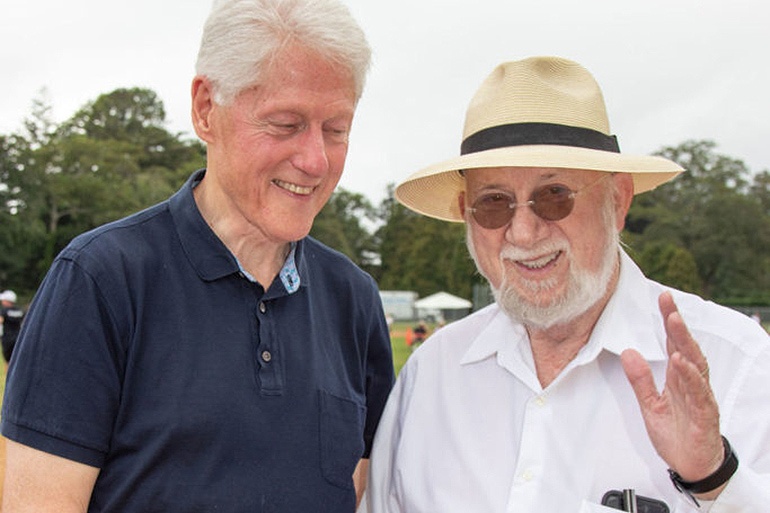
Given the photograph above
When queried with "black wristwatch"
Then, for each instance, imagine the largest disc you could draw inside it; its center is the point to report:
(711, 482)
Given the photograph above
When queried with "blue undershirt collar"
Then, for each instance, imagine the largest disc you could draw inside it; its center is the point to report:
(288, 274)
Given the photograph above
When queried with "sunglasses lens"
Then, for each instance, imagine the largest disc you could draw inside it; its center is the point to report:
(553, 202)
(493, 211)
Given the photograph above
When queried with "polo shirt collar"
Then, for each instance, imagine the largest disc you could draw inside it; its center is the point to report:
(627, 321)
(205, 251)
(208, 254)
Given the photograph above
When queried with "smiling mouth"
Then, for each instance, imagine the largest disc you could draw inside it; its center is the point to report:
(293, 188)
(539, 263)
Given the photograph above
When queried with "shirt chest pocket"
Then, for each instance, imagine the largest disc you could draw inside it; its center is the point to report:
(341, 437)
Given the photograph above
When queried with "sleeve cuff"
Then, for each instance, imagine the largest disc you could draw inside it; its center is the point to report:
(52, 445)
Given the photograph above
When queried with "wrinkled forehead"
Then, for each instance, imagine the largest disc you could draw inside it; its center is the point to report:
(514, 178)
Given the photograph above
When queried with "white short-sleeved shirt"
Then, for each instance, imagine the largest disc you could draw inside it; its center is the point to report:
(468, 428)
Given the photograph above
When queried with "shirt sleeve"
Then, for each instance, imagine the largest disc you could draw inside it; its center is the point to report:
(747, 426)
(379, 371)
(63, 386)
(747, 492)
(381, 488)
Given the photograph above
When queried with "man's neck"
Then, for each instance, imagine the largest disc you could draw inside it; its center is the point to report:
(258, 255)
(263, 261)
(554, 347)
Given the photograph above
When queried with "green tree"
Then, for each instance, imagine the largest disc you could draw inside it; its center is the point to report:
(339, 226)
(112, 158)
(715, 213)
(670, 264)
(760, 189)
(422, 254)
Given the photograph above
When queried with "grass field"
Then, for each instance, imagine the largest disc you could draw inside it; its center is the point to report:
(398, 342)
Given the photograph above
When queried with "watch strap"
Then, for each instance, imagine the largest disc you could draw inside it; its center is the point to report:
(711, 482)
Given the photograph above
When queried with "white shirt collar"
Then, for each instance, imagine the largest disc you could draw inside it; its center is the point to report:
(626, 322)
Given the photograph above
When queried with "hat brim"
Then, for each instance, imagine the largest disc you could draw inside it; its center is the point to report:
(433, 191)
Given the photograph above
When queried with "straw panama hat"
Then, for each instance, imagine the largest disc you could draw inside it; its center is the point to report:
(537, 112)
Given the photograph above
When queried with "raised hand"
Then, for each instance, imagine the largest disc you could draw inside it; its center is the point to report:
(682, 421)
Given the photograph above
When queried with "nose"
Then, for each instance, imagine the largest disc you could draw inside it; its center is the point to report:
(525, 228)
(311, 156)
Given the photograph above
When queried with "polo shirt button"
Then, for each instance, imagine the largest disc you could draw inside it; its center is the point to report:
(266, 356)
(262, 307)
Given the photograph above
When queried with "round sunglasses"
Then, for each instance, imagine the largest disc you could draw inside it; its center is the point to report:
(551, 202)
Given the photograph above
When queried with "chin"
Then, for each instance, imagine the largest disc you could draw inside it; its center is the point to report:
(543, 315)
(547, 307)
(290, 228)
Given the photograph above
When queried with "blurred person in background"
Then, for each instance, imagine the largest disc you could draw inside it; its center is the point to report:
(11, 317)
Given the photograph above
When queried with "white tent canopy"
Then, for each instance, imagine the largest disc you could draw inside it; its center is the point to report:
(442, 301)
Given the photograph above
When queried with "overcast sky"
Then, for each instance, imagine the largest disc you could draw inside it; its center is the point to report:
(671, 70)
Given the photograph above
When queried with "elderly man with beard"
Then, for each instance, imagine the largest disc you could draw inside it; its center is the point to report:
(585, 386)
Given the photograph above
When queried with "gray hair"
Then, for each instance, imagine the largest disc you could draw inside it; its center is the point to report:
(242, 37)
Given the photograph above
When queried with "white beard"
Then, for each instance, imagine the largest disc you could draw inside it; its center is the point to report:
(584, 288)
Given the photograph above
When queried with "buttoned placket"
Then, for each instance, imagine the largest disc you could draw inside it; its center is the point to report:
(265, 354)
(269, 365)
(528, 476)
(268, 362)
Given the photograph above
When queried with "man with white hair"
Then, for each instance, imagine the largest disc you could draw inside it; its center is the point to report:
(585, 386)
(205, 354)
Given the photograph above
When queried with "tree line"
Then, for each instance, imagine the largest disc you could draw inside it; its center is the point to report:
(708, 231)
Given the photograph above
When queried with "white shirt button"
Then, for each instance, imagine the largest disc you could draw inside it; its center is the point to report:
(266, 356)
(262, 307)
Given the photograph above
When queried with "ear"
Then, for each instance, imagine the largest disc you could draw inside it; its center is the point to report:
(461, 203)
(202, 107)
(624, 186)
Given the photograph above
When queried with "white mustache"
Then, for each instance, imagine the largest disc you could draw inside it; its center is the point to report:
(510, 252)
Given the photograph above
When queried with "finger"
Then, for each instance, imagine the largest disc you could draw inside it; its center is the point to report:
(702, 416)
(667, 307)
(640, 377)
(686, 345)
(666, 304)
(676, 387)
(694, 387)
(678, 338)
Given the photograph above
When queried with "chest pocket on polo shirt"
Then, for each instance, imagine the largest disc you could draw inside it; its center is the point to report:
(342, 437)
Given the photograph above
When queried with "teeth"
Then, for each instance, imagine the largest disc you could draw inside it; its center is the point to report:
(540, 262)
(296, 189)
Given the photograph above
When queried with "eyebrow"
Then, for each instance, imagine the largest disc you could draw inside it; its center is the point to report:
(549, 176)
(540, 180)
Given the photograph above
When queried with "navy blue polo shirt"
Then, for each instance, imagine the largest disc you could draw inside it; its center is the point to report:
(147, 353)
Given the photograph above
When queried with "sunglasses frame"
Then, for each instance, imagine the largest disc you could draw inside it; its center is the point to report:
(532, 203)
